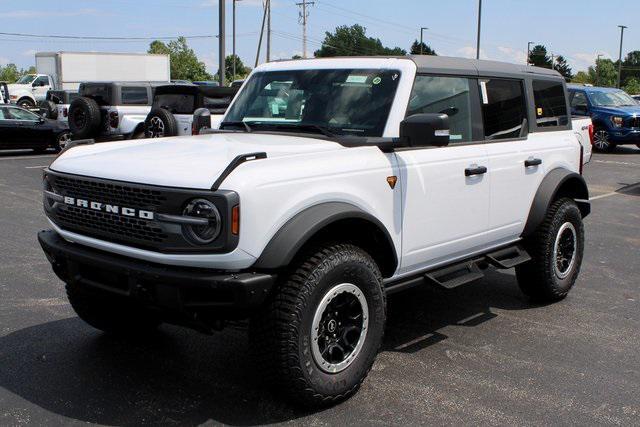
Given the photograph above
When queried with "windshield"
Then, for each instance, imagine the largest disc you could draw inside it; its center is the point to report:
(25, 80)
(611, 99)
(344, 102)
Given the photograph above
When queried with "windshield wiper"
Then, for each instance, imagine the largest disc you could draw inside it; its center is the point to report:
(318, 128)
(244, 124)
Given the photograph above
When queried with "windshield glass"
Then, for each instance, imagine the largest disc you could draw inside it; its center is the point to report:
(345, 102)
(611, 99)
(25, 80)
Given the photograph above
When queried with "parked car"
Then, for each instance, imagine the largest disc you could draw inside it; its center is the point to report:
(4, 93)
(20, 128)
(636, 97)
(56, 105)
(380, 174)
(65, 71)
(174, 107)
(237, 83)
(615, 115)
(111, 110)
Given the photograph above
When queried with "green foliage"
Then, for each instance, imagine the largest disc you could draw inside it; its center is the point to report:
(538, 57)
(418, 48)
(604, 73)
(10, 73)
(630, 68)
(632, 86)
(296, 57)
(184, 62)
(563, 67)
(582, 77)
(353, 41)
(242, 71)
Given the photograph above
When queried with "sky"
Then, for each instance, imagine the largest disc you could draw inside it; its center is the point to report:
(578, 30)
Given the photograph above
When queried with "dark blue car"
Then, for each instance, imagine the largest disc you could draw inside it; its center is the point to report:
(615, 115)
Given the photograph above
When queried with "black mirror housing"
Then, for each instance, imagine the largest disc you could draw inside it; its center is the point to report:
(425, 130)
(201, 120)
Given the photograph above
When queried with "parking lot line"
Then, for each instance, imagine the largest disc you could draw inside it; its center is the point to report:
(617, 192)
(48, 156)
(36, 167)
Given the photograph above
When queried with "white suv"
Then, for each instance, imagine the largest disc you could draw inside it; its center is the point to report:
(332, 183)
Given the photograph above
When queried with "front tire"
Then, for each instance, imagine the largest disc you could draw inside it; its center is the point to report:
(602, 141)
(556, 249)
(110, 314)
(320, 334)
(62, 140)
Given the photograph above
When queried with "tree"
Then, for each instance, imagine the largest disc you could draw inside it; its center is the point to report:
(296, 57)
(604, 73)
(632, 86)
(538, 57)
(184, 62)
(582, 77)
(353, 41)
(9, 73)
(418, 48)
(241, 70)
(630, 67)
(563, 68)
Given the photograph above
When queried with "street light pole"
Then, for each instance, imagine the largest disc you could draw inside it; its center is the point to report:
(529, 52)
(479, 26)
(234, 38)
(598, 69)
(221, 47)
(622, 27)
(421, 39)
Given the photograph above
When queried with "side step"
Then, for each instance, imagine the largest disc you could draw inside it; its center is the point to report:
(470, 270)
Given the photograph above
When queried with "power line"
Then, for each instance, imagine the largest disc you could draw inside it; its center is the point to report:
(56, 36)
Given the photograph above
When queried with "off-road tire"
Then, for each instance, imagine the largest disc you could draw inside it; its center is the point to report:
(110, 314)
(538, 278)
(48, 110)
(281, 335)
(26, 103)
(85, 118)
(169, 123)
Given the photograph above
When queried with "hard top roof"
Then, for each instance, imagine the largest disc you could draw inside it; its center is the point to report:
(593, 88)
(208, 91)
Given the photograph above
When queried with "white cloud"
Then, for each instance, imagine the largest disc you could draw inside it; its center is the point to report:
(509, 54)
(582, 60)
(24, 14)
(30, 52)
(470, 52)
(4, 61)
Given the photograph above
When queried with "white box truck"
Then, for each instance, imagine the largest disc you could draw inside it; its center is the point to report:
(66, 70)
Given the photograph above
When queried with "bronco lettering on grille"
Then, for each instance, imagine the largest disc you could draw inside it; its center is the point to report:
(104, 207)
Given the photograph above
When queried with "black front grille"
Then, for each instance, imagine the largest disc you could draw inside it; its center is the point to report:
(633, 122)
(122, 195)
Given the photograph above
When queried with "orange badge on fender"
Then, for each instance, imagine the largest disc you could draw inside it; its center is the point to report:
(391, 180)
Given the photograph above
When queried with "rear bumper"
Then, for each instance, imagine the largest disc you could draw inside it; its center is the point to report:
(179, 292)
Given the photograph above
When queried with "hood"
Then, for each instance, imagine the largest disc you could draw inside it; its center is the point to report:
(621, 111)
(184, 162)
(16, 87)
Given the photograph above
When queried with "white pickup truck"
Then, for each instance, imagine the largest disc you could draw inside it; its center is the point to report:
(331, 184)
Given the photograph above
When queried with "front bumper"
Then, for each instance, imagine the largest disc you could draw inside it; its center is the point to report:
(182, 295)
(625, 136)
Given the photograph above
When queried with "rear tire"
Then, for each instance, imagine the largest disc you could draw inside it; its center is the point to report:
(556, 249)
(109, 313)
(320, 333)
(26, 103)
(160, 123)
(84, 118)
(62, 140)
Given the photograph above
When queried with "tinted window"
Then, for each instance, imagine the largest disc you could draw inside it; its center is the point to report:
(175, 102)
(18, 114)
(551, 104)
(135, 96)
(503, 108)
(346, 102)
(448, 95)
(41, 81)
(100, 93)
(3, 114)
(579, 103)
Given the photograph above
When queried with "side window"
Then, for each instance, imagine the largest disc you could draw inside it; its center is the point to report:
(19, 114)
(448, 95)
(2, 115)
(503, 108)
(135, 96)
(41, 81)
(551, 104)
(579, 103)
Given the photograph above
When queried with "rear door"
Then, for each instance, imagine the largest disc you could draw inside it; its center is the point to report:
(9, 129)
(446, 189)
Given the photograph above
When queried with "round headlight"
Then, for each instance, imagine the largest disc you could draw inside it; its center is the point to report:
(202, 234)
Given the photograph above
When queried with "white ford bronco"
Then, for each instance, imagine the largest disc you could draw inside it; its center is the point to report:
(330, 184)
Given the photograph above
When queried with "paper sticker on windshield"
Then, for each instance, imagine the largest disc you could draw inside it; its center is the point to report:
(376, 80)
(539, 111)
(356, 79)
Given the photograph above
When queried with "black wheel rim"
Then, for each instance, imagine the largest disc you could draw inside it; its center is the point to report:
(565, 249)
(339, 327)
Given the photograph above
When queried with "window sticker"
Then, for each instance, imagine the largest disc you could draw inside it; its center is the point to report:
(483, 90)
(539, 111)
(376, 80)
(353, 78)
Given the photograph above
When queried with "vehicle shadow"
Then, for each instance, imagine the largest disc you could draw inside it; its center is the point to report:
(26, 153)
(182, 377)
(624, 150)
(629, 189)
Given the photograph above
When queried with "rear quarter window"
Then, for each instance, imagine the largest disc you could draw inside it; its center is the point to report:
(101, 93)
(134, 95)
(550, 104)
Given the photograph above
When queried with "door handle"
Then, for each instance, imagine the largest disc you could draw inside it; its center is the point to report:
(532, 162)
(475, 170)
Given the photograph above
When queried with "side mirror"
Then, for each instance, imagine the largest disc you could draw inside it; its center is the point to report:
(581, 110)
(201, 120)
(425, 130)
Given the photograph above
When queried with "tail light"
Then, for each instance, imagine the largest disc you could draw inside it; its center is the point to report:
(65, 112)
(114, 119)
(591, 132)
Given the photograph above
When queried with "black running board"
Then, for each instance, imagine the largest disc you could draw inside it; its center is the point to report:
(463, 272)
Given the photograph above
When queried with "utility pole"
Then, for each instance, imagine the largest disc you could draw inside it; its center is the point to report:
(622, 27)
(234, 38)
(303, 20)
(598, 69)
(529, 52)
(479, 26)
(264, 18)
(221, 47)
(268, 6)
(421, 39)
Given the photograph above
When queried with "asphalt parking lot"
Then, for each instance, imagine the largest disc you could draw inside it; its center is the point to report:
(479, 354)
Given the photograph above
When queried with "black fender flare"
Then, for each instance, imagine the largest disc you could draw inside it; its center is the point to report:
(295, 233)
(558, 182)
